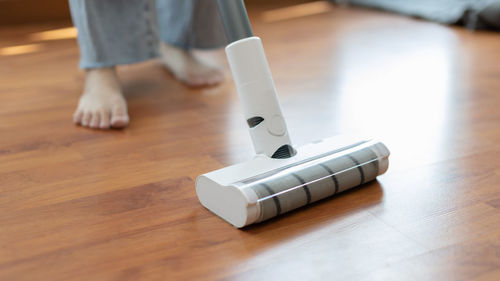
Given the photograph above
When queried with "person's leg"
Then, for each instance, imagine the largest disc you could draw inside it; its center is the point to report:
(186, 25)
(110, 33)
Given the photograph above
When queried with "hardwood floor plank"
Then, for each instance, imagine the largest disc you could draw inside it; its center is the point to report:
(472, 260)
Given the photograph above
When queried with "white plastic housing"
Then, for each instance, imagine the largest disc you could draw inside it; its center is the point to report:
(257, 93)
(220, 191)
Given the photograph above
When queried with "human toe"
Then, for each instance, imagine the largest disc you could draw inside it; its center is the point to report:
(87, 116)
(77, 116)
(119, 117)
(95, 120)
(105, 122)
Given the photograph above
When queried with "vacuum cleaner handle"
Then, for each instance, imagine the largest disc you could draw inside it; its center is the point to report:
(235, 19)
(254, 83)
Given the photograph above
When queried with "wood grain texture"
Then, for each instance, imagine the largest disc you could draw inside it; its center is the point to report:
(78, 204)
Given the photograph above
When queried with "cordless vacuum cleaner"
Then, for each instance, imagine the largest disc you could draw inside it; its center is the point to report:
(281, 177)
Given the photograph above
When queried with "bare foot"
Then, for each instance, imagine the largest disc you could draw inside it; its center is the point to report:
(187, 68)
(102, 105)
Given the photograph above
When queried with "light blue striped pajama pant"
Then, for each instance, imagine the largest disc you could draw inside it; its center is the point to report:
(112, 32)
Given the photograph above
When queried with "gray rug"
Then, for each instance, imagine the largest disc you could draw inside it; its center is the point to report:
(475, 14)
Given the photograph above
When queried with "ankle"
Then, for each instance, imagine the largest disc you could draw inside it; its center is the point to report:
(101, 71)
(101, 78)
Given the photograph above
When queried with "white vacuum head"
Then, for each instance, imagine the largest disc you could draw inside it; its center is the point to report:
(265, 187)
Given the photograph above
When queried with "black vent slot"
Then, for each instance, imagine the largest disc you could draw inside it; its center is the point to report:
(254, 121)
(285, 151)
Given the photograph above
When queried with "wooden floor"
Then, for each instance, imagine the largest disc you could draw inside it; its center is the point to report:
(78, 204)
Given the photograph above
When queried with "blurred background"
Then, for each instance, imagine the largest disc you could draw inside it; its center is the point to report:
(475, 13)
(33, 11)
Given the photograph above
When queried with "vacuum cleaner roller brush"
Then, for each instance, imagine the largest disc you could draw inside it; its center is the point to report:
(314, 180)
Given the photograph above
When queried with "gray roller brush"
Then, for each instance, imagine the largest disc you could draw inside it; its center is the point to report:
(281, 177)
